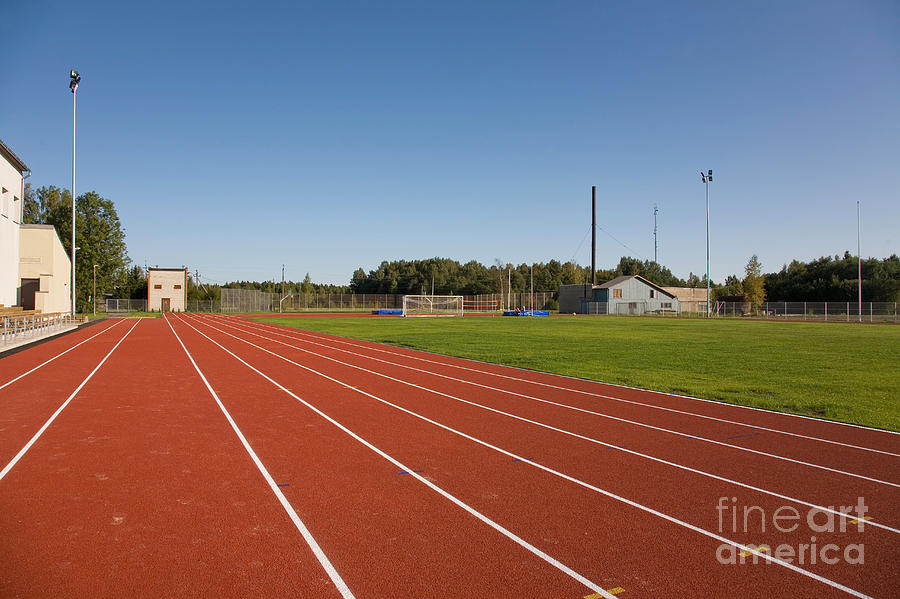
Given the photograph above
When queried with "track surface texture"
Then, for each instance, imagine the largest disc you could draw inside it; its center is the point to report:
(212, 456)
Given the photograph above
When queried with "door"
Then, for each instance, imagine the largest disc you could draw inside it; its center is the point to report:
(166, 304)
(29, 288)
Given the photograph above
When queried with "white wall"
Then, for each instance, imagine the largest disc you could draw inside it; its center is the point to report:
(172, 284)
(10, 217)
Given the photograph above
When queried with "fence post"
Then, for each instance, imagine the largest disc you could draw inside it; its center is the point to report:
(848, 311)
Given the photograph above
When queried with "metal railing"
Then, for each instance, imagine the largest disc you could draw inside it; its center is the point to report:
(18, 327)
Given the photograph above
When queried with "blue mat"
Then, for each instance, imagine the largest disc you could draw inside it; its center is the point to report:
(388, 312)
(527, 313)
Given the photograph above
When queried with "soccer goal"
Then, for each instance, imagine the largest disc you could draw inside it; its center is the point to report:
(432, 305)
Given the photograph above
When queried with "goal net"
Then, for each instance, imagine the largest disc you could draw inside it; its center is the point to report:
(432, 305)
(479, 305)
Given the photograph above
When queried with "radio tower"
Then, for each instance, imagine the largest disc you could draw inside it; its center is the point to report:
(655, 210)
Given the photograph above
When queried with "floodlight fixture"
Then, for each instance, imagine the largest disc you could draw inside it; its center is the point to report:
(74, 80)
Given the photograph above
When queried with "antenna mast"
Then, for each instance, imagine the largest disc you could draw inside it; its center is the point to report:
(655, 210)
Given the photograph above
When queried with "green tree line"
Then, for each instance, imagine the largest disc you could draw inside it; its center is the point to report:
(835, 279)
(447, 276)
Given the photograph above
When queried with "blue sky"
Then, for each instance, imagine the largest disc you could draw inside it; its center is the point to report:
(236, 137)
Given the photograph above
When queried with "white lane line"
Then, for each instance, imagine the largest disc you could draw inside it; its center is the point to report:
(273, 486)
(579, 436)
(582, 410)
(40, 432)
(24, 374)
(499, 528)
(613, 398)
(634, 504)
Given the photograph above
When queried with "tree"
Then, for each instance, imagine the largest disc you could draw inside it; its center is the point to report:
(131, 283)
(753, 283)
(306, 286)
(39, 204)
(99, 236)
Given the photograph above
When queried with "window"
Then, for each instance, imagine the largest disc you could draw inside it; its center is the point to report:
(4, 202)
(157, 286)
(617, 293)
(177, 286)
(16, 210)
(666, 305)
(652, 293)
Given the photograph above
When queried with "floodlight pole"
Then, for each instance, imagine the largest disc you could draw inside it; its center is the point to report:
(95, 290)
(74, 79)
(706, 178)
(593, 235)
(858, 263)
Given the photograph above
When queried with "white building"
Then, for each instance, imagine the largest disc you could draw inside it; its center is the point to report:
(167, 289)
(12, 190)
(44, 270)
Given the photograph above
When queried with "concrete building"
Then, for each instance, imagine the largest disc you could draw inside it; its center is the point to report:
(692, 299)
(167, 289)
(44, 270)
(631, 294)
(12, 190)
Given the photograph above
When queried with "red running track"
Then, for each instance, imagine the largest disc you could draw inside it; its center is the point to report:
(301, 464)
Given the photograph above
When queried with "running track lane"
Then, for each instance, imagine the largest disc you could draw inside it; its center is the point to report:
(538, 504)
(32, 387)
(387, 533)
(141, 488)
(822, 488)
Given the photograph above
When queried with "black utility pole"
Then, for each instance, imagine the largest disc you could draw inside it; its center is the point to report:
(593, 235)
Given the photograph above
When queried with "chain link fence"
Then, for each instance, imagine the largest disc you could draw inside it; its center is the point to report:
(251, 300)
(824, 311)
(340, 302)
(116, 306)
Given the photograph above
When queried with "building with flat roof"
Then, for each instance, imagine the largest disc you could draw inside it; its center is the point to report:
(12, 190)
(44, 270)
(167, 289)
(692, 299)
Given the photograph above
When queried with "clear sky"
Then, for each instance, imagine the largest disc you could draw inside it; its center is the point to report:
(235, 137)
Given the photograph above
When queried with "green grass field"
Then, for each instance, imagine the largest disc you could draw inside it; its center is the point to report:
(849, 373)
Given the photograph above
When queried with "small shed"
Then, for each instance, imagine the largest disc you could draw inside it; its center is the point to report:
(630, 294)
(167, 289)
(571, 297)
(692, 299)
